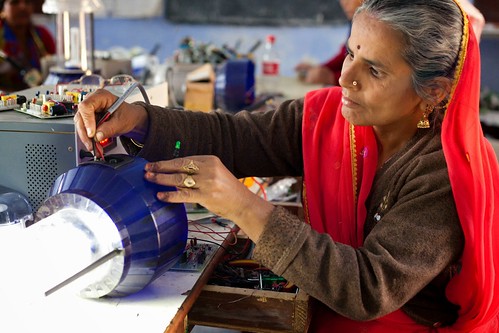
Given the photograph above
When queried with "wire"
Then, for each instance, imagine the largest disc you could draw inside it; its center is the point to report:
(211, 231)
(262, 188)
(244, 252)
(208, 241)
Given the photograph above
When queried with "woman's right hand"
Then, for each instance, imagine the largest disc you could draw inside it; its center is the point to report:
(126, 119)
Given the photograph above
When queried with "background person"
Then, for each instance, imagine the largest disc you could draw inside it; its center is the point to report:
(400, 183)
(329, 72)
(24, 43)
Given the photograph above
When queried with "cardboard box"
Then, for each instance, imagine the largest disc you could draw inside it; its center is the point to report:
(200, 89)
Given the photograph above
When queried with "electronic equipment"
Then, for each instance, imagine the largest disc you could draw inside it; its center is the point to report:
(195, 257)
(105, 217)
(35, 151)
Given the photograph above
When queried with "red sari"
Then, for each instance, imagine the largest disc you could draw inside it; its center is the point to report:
(345, 157)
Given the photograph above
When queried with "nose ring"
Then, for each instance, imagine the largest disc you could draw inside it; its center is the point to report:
(355, 83)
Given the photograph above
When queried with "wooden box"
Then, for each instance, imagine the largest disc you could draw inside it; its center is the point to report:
(251, 310)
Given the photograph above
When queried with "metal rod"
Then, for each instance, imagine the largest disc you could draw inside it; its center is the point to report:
(85, 270)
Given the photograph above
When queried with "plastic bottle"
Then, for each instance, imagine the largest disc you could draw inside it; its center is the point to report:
(270, 68)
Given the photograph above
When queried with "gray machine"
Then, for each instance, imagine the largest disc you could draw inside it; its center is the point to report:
(33, 152)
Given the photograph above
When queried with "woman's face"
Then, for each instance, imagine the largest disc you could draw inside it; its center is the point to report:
(383, 95)
(18, 12)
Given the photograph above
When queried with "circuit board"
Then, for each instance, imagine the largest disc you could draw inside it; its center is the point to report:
(60, 102)
(195, 257)
(41, 115)
(9, 102)
(8, 107)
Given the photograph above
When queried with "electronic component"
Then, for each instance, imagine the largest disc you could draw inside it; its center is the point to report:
(236, 270)
(195, 257)
(52, 104)
(12, 101)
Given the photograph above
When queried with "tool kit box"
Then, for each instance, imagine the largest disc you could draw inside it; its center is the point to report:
(242, 295)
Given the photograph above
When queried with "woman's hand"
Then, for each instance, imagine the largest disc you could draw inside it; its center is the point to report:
(315, 74)
(128, 118)
(206, 181)
(320, 75)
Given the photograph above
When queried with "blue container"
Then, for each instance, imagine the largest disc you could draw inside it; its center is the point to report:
(58, 75)
(114, 207)
(235, 85)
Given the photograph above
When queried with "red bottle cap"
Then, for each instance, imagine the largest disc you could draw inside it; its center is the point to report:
(271, 39)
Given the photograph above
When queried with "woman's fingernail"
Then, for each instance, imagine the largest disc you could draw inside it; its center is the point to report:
(99, 136)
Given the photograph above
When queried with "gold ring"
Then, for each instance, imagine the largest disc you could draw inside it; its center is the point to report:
(191, 168)
(189, 181)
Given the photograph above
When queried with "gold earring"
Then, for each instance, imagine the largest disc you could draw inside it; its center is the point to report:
(424, 122)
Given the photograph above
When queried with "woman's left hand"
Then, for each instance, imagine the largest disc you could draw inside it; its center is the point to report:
(206, 181)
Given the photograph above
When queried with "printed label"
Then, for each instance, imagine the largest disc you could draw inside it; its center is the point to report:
(270, 68)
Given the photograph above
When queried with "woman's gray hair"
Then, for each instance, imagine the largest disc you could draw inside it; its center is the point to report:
(432, 32)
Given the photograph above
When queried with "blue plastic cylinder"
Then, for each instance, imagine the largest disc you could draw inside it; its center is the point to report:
(235, 85)
(151, 233)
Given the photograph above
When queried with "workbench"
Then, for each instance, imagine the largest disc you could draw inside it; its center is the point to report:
(159, 307)
(162, 306)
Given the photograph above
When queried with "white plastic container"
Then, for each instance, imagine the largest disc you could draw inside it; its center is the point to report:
(270, 68)
(15, 210)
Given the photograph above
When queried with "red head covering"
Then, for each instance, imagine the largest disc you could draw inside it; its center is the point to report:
(345, 157)
(474, 176)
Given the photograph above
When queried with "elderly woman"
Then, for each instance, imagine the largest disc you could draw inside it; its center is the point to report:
(400, 185)
(328, 73)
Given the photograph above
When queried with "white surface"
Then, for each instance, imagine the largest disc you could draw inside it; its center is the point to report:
(24, 308)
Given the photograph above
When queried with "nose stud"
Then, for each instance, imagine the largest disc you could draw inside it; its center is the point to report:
(355, 83)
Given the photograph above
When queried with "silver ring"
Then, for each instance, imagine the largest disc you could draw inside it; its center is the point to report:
(355, 83)
(189, 182)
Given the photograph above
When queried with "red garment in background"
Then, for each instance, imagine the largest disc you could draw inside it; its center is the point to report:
(336, 63)
(40, 44)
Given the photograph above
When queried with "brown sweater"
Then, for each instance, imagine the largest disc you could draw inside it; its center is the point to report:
(412, 232)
